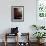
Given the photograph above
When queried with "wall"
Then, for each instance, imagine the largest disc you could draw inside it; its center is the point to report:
(29, 15)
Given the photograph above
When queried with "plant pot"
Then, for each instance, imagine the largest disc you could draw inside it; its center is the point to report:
(40, 41)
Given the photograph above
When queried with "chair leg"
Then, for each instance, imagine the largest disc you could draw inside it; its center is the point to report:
(5, 40)
(5, 43)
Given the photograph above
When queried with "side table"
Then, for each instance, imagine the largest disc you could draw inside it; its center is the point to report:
(8, 34)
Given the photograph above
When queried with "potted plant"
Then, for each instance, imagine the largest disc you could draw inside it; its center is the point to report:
(39, 35)
(38, 27)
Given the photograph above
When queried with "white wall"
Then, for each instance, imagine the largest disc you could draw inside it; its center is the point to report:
(29, 15)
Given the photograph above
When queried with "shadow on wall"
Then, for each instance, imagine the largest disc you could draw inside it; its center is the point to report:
(7, 31)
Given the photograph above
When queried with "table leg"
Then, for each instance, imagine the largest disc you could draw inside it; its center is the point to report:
(5, 40)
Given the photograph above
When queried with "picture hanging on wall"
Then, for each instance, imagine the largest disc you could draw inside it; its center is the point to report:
(17, 13)
(41, 12)
(41, 8)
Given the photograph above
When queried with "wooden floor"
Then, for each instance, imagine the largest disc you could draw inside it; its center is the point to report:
(13, 44)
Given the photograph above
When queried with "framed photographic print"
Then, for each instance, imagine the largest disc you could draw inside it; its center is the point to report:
(17, 13)
(41, 8)
(41, 12)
